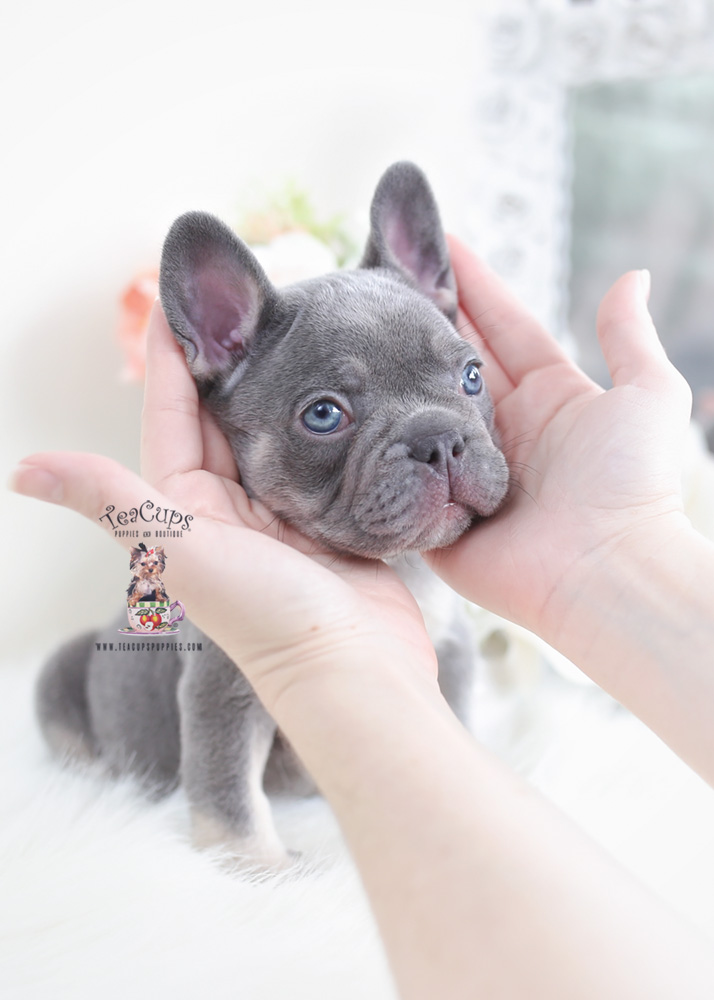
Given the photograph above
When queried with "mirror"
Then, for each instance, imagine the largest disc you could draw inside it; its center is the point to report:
(642, 196)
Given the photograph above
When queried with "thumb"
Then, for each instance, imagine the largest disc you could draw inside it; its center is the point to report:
(628, 338)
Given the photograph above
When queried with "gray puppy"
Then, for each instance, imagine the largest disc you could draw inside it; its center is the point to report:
(355, 412)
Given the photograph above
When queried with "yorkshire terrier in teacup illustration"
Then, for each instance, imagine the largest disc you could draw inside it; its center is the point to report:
(147, 565)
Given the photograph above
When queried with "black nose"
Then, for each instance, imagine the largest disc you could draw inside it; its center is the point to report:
(436, 450)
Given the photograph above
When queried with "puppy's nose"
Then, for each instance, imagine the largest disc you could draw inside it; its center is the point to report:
(436, 450)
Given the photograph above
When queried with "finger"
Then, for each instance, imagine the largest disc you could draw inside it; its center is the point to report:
(212, 590)
(91, 485)
(84, 483)
(628, 338)
(515, 339)
(171, 436)
(217, 455)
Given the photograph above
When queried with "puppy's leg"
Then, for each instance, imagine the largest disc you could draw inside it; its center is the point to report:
(456, 654)
(448, 628)
(284, 772)
(226, 736)
(133, 702)
(61, 700)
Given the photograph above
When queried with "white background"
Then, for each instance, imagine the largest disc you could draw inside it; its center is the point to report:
(117, 117)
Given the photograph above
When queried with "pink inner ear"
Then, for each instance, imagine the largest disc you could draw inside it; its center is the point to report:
(224, 311)
(403, 247)
(420, 260)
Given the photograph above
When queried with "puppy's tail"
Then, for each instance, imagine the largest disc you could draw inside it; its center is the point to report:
(61, 700)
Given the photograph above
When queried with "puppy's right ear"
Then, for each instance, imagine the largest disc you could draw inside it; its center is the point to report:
(406, 236)
(214, 293)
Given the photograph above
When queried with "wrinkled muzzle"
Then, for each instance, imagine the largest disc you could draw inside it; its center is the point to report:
(418, 488)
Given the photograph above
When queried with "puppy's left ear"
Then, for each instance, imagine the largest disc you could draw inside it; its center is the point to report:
(406, 235)
(215, 295)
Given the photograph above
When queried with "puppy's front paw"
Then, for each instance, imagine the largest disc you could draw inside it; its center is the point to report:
(258, 851)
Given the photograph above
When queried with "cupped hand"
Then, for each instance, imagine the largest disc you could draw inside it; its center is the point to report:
(591, 470)
(279, 605)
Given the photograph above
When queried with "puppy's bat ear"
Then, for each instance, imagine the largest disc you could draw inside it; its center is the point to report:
(406, 235)
(214, 293)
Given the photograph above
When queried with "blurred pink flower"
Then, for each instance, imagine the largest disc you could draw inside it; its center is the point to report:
(289, 257)
(135, 308)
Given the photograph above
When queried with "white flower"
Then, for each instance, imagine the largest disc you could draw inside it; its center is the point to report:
(295, 256)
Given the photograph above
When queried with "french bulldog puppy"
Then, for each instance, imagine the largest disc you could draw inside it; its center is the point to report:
(355, 412)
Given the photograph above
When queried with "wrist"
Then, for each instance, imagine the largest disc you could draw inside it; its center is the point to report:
(637, 618)
(613, 589)
(329, 671)
(347, 684)
(349, 721)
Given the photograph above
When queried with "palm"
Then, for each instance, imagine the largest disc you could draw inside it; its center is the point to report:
(345, 599)
(587, 465)
(199, 472)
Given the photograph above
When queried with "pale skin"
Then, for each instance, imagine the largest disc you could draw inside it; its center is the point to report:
(479, 887)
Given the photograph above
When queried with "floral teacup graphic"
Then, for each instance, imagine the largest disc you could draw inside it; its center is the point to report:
(153, 616)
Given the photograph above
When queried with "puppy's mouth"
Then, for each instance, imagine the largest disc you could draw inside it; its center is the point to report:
(417, 523)
(440, 524)
(413, 506)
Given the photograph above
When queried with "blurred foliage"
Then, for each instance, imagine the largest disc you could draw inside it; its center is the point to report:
(292, 210)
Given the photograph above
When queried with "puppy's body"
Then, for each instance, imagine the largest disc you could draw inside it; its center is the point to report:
(146, 566)
(355, 412)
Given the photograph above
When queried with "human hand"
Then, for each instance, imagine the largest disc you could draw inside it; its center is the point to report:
(592, 470)
(273, 600)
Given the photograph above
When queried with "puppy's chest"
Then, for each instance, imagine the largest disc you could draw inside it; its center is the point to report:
(441, 607)
(145, 586)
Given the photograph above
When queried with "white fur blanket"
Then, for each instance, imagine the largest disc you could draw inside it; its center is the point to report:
(103, 897)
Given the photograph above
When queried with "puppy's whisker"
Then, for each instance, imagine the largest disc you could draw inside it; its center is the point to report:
(517, 440)
(464, 326)
(513, 482)
(524, 467)
(269, 525)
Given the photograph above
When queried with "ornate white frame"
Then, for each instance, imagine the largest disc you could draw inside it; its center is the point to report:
(518, 214)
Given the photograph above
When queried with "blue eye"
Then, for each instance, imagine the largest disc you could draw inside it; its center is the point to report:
(323, 417)
(471, 379)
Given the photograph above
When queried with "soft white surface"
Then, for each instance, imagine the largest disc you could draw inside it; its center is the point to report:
(102, 896)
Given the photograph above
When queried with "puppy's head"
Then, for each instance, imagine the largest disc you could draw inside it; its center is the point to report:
(147, 564)
(354, 409)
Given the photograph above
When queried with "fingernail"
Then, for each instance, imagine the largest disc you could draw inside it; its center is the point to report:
(31, 481)
(646, 282)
